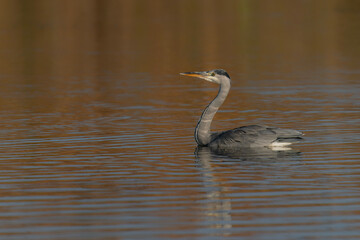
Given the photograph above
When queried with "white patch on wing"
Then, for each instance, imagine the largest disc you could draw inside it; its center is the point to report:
(279, 144)
(280, 148)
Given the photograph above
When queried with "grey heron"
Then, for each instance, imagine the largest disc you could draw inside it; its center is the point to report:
(241, 137)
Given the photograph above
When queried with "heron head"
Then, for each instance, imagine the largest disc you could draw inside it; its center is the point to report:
(211, 76)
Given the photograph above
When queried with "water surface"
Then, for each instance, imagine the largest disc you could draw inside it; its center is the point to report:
(97, 125)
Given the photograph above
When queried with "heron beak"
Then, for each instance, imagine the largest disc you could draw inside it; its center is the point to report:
(195, 74)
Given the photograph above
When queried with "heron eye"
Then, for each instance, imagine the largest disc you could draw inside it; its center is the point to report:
(212, 74)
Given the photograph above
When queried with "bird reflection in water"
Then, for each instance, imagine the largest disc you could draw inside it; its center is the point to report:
(248, 154)
(218, 207)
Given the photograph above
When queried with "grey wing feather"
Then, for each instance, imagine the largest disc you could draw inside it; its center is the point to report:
(286, 133)
(252, 136)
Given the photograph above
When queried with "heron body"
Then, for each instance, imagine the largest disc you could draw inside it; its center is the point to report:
(246, 136)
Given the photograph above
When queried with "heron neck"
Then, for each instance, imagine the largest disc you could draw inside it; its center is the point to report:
(202, 130)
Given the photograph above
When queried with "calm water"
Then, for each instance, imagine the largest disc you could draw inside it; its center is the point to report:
(97, 126)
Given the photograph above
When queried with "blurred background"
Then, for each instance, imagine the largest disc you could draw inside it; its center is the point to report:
(107, 48)
(96, 124)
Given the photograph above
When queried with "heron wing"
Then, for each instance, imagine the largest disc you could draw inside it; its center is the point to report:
(252, 136)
